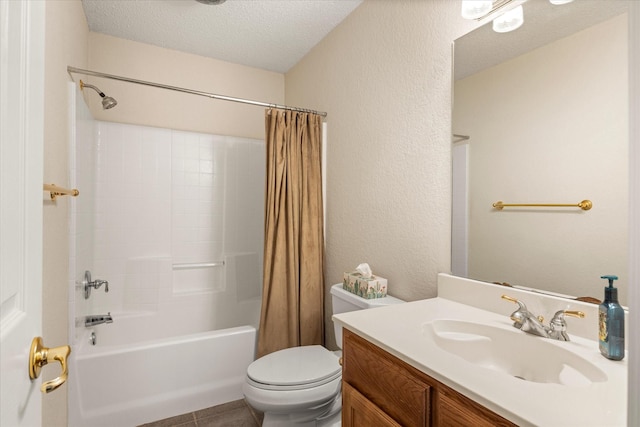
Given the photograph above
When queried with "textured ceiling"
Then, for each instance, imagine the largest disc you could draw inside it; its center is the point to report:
(268, 34)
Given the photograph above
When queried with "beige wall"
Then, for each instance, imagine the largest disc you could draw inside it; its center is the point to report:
(384, 77)
(151, 106)
(65, 43)
(551, 126)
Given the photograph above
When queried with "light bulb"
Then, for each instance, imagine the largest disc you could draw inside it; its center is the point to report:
(560, 1)
(509, 21)
(474, 9)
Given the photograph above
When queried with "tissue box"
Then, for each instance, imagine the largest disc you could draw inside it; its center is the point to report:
(365, 287)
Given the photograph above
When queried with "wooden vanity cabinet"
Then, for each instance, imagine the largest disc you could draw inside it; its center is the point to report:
(378, 389)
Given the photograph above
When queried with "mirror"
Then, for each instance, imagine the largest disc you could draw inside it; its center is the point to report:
(545, 110)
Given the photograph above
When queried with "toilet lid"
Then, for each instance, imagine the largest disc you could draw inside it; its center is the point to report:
(295, 366)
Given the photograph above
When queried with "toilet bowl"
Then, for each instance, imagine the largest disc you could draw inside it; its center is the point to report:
(301, 386)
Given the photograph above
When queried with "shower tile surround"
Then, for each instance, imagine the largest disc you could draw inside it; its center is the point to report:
(152, 197)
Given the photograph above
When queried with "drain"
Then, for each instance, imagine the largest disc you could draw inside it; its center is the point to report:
(519, 377)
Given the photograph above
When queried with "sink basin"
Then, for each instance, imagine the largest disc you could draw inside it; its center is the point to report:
(513, 352)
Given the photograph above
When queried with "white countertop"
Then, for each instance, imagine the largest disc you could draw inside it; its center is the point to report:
(398, 329)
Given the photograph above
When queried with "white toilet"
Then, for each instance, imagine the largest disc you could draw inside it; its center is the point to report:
(300, 386)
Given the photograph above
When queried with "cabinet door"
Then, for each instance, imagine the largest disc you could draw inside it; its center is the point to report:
(393, 386)
(358, 411)
(455, 410)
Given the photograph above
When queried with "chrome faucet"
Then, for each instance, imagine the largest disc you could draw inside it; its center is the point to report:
(558, 326)
(527, 322)
(95, 284)
(524, 320)
(97, 319)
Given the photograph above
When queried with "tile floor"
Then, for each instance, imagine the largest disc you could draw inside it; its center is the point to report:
(232, 414)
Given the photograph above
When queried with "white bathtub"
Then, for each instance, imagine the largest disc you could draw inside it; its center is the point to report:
(131, 384)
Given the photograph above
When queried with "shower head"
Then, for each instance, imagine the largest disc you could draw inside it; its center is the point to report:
(107, 101)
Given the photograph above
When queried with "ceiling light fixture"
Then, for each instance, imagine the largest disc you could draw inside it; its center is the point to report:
(507, 15)
(476, 9)
(509, 21)
(481, 9)
(211, 2)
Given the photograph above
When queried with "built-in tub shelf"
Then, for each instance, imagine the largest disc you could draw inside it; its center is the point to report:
(194, 265)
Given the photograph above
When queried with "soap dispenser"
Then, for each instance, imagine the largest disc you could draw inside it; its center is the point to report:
(611, 323)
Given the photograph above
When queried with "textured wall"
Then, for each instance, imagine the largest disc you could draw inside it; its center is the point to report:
(65, 43)
(384, 77)
(150, 106)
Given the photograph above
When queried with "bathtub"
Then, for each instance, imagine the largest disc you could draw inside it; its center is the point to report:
(114, 384)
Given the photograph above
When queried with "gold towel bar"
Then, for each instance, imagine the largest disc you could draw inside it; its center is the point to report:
(59, 191)
(585, 205)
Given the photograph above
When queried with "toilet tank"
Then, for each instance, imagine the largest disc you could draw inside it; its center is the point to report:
(343, 301)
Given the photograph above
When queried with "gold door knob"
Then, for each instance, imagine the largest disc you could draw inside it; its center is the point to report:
(41, 355)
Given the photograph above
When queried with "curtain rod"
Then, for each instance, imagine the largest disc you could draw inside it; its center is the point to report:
(71, 70)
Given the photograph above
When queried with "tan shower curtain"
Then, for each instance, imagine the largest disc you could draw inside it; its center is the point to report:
(293, 284)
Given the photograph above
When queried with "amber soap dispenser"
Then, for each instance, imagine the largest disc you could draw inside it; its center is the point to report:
(611, 323)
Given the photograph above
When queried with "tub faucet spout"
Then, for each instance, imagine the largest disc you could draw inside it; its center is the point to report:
(97, 319)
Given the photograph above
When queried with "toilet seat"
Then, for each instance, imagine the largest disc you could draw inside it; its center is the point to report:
(295, 368)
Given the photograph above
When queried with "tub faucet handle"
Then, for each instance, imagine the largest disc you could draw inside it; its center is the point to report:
(95, 284)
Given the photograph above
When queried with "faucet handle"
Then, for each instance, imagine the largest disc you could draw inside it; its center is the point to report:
(519, 316)
(512, 299)
(558, 326)
(572, 313)
(521, 305)
(98, 282)
(95, 284)
(516, 316)
(558, 318)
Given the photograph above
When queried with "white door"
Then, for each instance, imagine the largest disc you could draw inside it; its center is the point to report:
(21, 196)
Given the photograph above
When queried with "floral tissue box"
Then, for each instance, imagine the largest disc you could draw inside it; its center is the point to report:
(365, 287)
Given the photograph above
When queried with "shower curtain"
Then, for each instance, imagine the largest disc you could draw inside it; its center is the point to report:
(293, 280)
